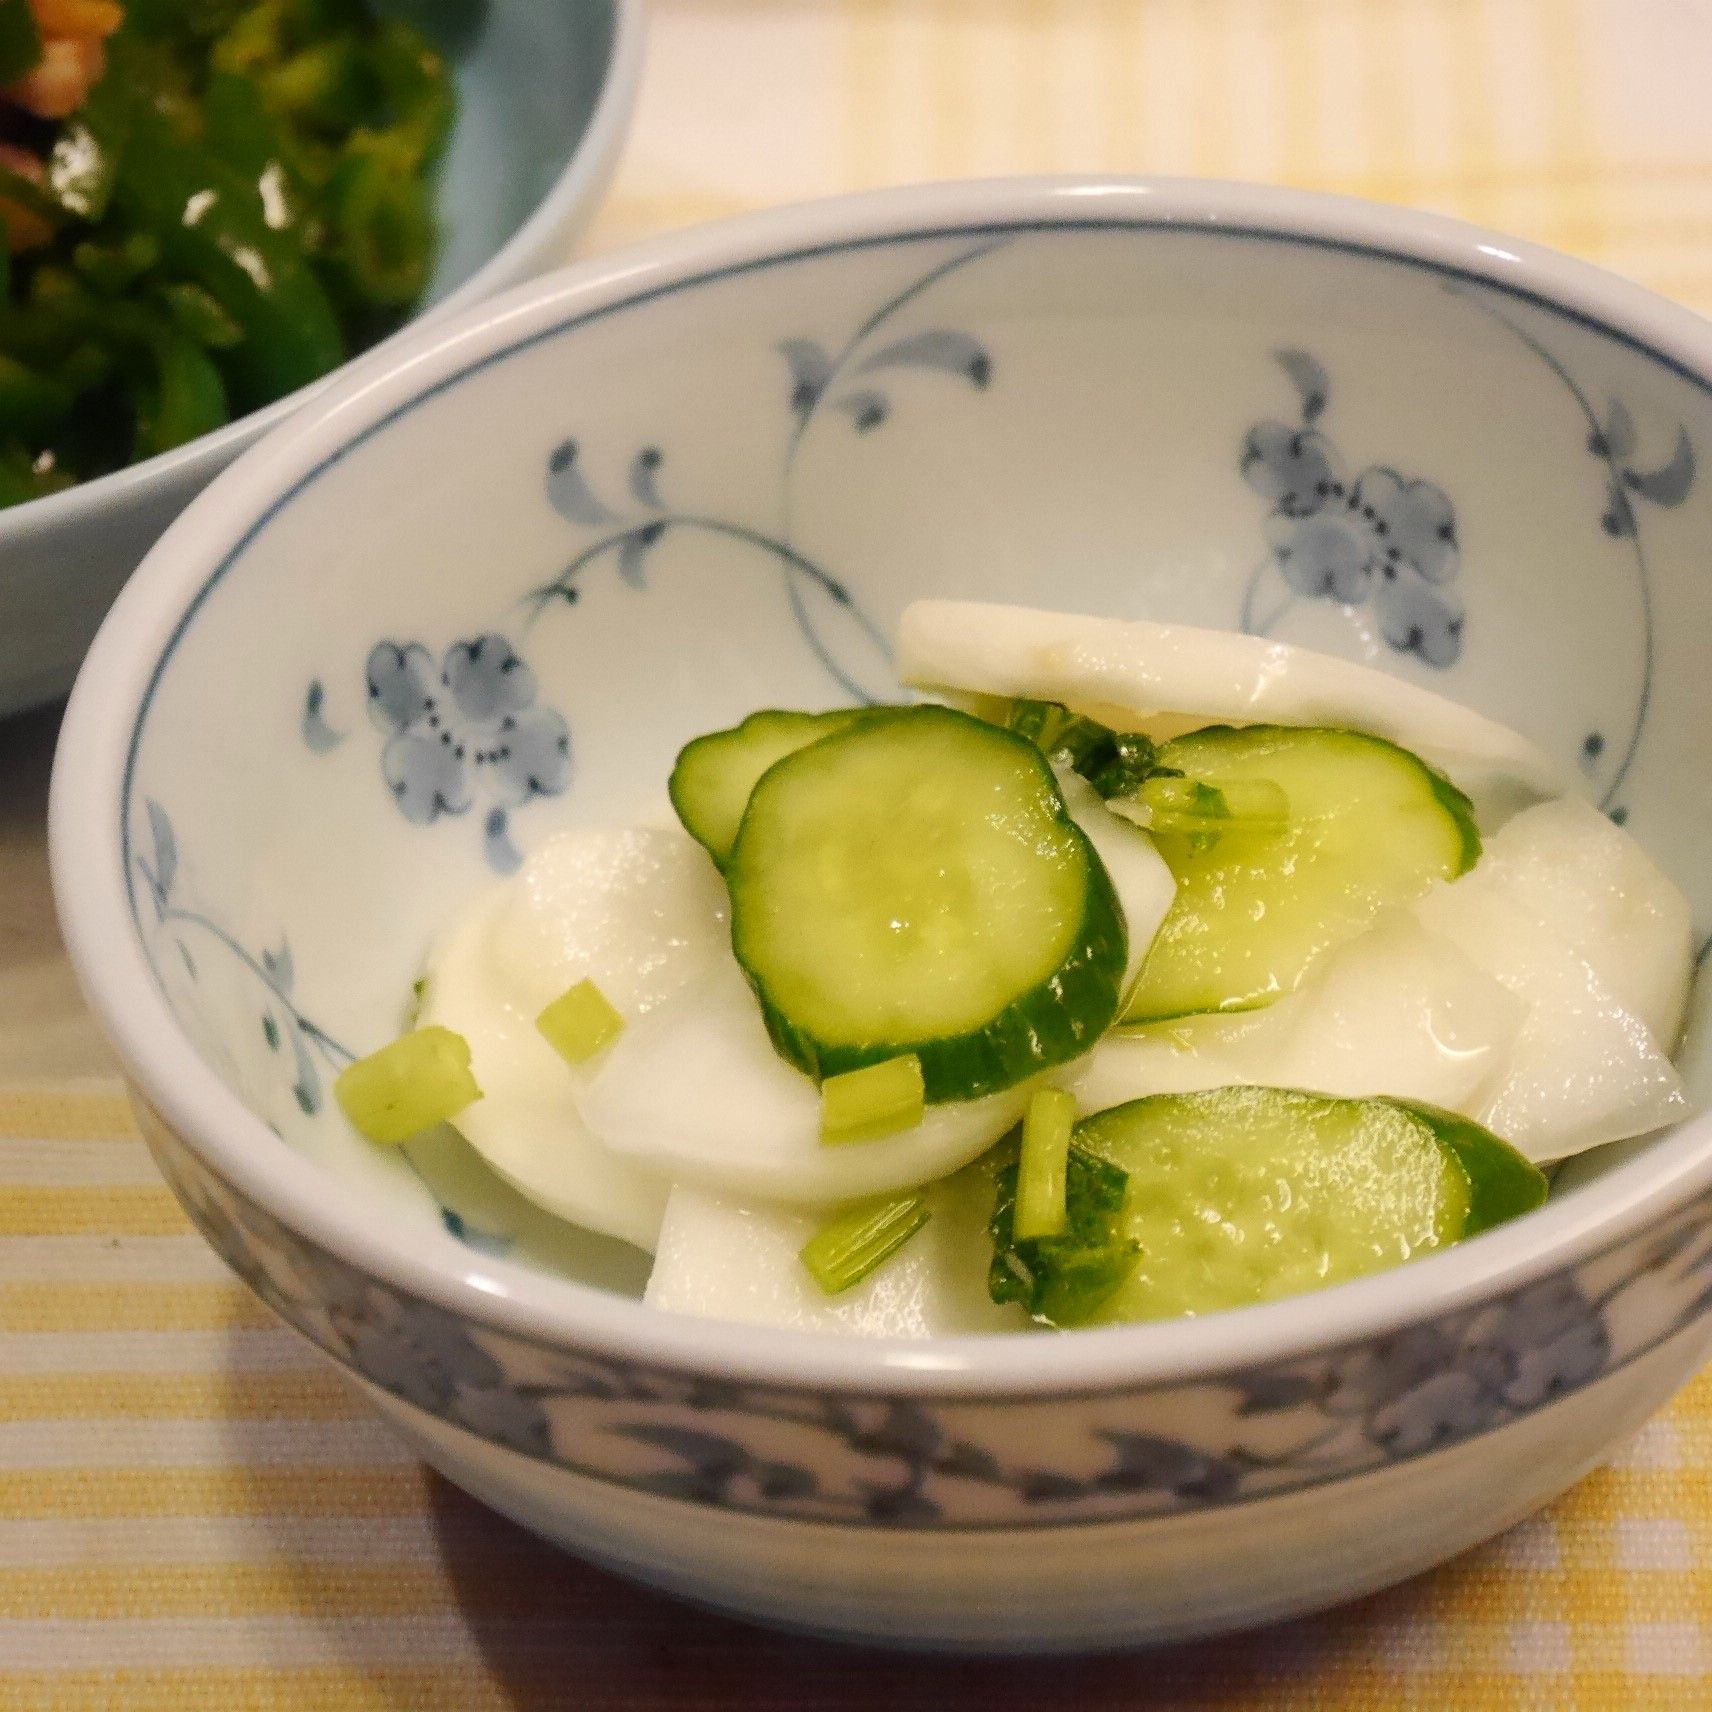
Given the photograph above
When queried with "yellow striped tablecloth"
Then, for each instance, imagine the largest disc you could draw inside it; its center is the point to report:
(194, 1513)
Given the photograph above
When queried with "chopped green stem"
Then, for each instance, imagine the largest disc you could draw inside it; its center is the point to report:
(796, 566)
(1114, 762)
(1040, 1203)
(419, 1080)
(580, 1022)
(877, 1100)
(856, 1241)
(1178, 805)
(1063, 1279)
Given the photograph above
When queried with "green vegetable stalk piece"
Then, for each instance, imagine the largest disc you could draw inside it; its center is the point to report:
(198, 313)
(877, 1100)
(421, 1079)
(1041, 1201)
(113, 269)
(1133, 759)
(580, 1022)
(1167, 804)
(417, 88)
(863, 1237)
(1061, 1280)
(1113, 762)
(187, 398)
(1059, 734)
(323, 84)
(248, 135)
(20, 40)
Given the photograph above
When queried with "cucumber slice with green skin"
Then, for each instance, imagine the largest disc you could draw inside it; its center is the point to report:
(1245, 1195)
(915, 883)
(1369, 825)
(1502, 1181)
(713, 775)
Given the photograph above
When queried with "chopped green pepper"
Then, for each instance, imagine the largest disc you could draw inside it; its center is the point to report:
(210, 226)
(243, 199)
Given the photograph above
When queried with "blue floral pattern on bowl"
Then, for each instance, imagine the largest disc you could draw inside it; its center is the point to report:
(467, 731)
(1379, 536)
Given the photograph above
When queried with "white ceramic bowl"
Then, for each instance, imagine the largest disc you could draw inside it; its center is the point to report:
(707, 475)
(545, 97)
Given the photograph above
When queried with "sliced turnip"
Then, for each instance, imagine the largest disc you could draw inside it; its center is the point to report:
(1396, 1011)
(638, 912)
(1597, 889)
(728, 1259)
(1163, 678)
(1585, 1069)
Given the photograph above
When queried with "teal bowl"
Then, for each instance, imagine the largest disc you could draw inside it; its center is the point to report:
(545, 98)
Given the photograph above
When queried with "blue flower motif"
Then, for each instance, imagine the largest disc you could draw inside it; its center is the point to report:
(1551, 1339)
(1380, 537)
(470, 729)
(1421, 1388)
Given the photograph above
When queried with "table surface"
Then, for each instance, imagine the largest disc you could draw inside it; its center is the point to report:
(194, 1514)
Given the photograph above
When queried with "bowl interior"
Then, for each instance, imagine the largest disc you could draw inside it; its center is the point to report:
(632, 517)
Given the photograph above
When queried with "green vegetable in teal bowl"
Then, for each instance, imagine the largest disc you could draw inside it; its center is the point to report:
(204, 205)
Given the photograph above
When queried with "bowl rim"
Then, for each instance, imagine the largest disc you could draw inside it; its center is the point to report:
(562, 214)
(91, 890)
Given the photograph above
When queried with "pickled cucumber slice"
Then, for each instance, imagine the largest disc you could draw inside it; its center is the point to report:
(714, 775)
(915, 884)
(1244, 1195)
(1369, 825)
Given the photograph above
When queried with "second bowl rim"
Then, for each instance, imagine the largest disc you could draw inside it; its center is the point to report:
(167, 1072)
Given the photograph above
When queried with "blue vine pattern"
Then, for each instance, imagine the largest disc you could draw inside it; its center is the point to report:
(306, 1052)
(851, 381)
(630, 536)
(313, 1052)
(1380, 536)
(1612, 440)
(318, 736)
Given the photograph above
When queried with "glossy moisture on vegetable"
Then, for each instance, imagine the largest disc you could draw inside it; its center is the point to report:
(242, 201)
